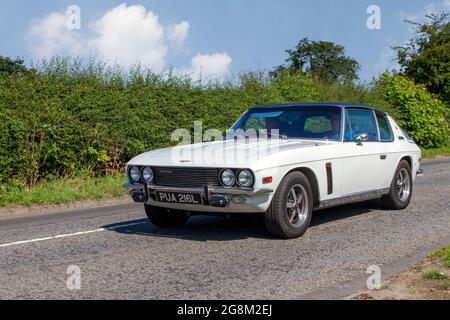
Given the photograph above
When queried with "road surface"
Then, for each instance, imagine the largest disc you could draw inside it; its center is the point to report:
(122, 256)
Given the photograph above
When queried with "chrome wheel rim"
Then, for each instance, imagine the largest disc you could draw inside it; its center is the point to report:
(297, 206)
(403, 185)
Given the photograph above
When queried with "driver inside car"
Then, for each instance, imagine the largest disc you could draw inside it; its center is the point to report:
(335, 124)
(273, 126)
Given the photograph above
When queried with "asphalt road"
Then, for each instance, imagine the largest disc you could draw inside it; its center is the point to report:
(122, 256)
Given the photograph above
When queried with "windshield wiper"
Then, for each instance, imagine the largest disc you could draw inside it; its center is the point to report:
(282, 136)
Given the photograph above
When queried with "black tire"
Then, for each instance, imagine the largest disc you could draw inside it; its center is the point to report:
(276, 217)
(166, 218)
(392, 200)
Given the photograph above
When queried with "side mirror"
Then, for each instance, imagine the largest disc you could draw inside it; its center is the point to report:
(360, 137)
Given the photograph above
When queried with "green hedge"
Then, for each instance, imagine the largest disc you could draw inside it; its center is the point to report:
(420, 113)
(66, 118)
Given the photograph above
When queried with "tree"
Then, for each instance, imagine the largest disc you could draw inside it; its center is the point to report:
(426, 56)
(321, 59)
(10, 67)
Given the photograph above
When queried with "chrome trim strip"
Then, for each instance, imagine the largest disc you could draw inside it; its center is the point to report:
(378, 126)
(357, 197)
(213, 190)
(133, 186)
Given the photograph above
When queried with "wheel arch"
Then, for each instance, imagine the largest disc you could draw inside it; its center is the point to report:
(309, 173)
(408, 158)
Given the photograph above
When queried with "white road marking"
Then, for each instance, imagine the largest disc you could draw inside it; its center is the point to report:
(68, 235)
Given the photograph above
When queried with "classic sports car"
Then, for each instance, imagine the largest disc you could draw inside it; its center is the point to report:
(284, 162)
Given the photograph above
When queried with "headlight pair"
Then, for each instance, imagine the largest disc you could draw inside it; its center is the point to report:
(244, 178)
(136, 175)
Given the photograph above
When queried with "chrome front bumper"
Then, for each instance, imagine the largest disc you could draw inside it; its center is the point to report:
(237, 199)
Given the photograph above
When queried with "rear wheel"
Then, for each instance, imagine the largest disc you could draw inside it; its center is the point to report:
(400, 191)
(290, 212)
(166, 218)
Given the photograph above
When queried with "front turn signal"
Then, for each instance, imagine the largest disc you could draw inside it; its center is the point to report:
(267, 180)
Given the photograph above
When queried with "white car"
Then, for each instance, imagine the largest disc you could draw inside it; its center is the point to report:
(283, 162)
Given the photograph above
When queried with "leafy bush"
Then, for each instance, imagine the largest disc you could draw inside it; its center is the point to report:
(421, 114)
(67, 116)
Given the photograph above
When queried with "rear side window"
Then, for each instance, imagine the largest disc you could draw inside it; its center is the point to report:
(362, 121)
(385, 128)
(407, 136)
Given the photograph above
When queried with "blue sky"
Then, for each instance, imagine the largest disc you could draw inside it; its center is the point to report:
(215, 37)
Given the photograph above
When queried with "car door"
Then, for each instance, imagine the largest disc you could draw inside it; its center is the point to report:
(387, 139)
(363, 160)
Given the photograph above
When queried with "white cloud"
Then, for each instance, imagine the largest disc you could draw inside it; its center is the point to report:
(50, 36)
(124, 35)
(209, 66)
(177, 33)
(129, 34)
(433, 7)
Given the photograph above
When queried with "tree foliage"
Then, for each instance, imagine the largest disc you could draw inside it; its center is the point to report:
(12, 67)
(322, 60)
(426, 57)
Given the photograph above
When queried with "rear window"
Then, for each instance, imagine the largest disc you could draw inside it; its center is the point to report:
(385, 128)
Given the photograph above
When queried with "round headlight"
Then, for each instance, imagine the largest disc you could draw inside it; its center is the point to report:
(147, 174)
(135, 174)
(227, 177)
(245, 178)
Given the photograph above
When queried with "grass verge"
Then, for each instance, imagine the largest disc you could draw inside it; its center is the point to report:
(64, 190)
(429, 279)
(435, 152)
(444, 254)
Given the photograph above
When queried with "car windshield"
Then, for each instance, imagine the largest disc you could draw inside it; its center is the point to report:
(301, 122)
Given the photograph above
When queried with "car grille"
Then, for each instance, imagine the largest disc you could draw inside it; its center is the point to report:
(185, 177)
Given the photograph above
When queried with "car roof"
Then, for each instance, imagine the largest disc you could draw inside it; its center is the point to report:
(320, 104)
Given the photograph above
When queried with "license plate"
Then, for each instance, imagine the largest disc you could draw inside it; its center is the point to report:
(178, 197)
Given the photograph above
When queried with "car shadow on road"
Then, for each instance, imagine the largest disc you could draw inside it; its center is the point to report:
(198, 228)
(237, 227)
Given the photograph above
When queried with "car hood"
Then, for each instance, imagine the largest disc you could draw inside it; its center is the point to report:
(227, 153)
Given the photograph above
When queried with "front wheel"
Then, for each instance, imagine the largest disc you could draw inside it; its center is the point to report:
(290, 212)
(400, 191)
(166, 218)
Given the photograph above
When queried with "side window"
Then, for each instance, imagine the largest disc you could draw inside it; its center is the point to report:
(385, 128)
(362, 121)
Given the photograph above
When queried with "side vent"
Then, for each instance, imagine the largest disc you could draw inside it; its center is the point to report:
(329, 169)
